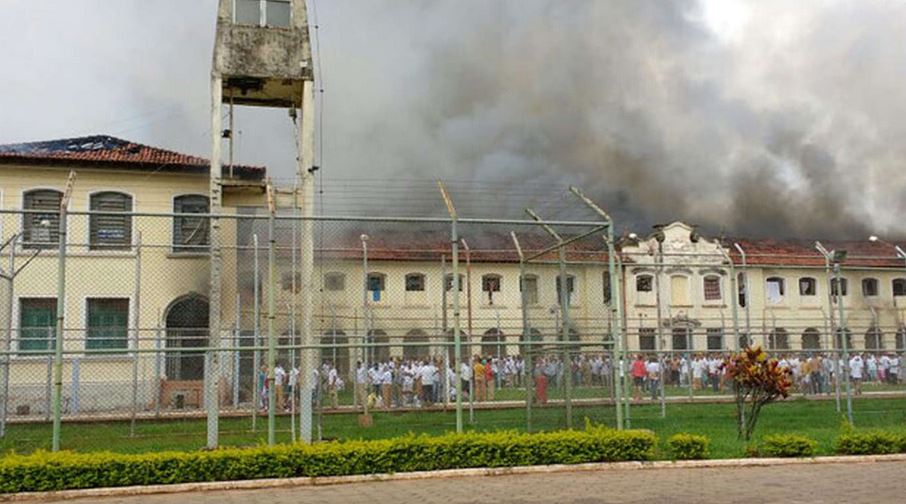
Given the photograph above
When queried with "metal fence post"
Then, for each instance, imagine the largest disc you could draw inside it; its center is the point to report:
(61, 312)
(136, 311)
(457, 332)
(256, 339)
(8, 336)
(528, 369)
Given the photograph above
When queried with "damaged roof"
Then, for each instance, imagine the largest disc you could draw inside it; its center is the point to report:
(802, 252)
(108, 152)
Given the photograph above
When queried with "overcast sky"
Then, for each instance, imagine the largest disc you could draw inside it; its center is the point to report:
(765, 117)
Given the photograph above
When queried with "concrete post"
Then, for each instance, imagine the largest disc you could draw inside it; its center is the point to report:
(306, 177)
(212, 371)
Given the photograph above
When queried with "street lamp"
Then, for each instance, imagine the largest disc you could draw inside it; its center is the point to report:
(836, 257)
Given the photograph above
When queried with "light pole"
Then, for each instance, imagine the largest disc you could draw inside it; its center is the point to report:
(364, 239)
(837, 257)
(829, 328)
(745, 290)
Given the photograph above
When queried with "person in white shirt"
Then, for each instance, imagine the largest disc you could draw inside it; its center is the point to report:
(856, 367)
(279, 381)
(653, 372)
(386, 386)
(428, 374)
(465, 375)
(332, 384)
(361, 384)
(292, 389)
(893, 374)
(698, 370)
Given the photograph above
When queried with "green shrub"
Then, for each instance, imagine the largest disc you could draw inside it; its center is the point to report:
(870, 443)
(688, 446)
(44, 471)
(786, 445)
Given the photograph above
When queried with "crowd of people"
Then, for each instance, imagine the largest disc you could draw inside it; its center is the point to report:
(418, 382)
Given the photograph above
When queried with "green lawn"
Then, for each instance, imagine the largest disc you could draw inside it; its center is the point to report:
(817, 419)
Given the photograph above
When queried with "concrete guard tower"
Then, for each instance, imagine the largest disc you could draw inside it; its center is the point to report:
(262, 57)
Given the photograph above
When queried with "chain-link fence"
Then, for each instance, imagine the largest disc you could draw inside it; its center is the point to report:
(337, 328)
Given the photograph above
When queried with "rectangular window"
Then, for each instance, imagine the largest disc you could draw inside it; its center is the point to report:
(647, 337)
(682, 338)
(839, 288)
(741, 287)
(808, 286)
(415, 283)
(277, 13)
(715, 338)
(529, 285)
(190, 233)
(334, 282)
(288, 284)
(248, 12)
(489, 285)
(37, 323)
(712, 288)
(107, 323)
(643, 283)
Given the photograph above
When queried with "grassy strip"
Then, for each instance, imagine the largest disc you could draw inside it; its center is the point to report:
(44, 471)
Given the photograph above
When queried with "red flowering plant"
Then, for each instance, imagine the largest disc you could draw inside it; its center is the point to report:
(757, 380)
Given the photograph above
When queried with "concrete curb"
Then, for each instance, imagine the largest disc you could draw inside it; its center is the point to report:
(450, 473)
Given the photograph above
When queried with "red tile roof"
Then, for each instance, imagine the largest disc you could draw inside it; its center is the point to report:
(110, 152)
(802, 252)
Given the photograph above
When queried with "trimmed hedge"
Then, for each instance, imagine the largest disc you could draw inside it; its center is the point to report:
(685, 446)
(871, 443)
(45, 471)
(787, 445)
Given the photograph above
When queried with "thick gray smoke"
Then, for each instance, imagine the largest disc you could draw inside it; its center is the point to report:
(774, 118)
(751, 117)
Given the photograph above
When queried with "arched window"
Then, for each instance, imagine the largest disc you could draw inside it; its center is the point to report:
(811, 339)
(570, 289)
(41, 229)
(870, 287)
(190, 233)
(711, 287)
(842, 289)
(528, 285)
(448, 282)
(109, 231)
(679, 290)
(605, 282)
(808, 287)
(901, 339)
(415, 282)
(838, 340)
(376, 283)
(899, 286)
(490, 284)
(874, 338)
(779, 339)
(775, 289)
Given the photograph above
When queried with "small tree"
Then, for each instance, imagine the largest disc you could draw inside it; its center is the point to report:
(757, 381)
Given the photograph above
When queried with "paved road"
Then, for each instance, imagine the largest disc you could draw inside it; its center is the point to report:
(880, 482)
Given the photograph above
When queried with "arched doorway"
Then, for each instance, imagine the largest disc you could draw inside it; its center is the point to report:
(380, 352)
(187, 327)
(536, 340)
(465, 350)
(493, 342)
(874, 339)
(779, 339)
(811, 339)
(419, 352)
